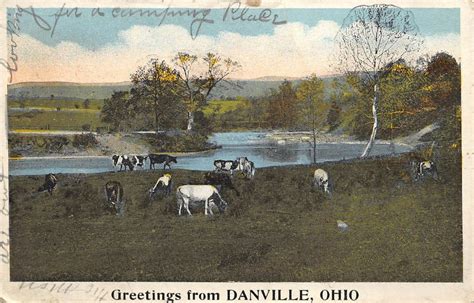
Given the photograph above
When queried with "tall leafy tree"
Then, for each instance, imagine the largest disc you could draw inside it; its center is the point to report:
(155, 90)
(198, 77)
(312, 107)
(282, 107)
(444, 74)
(116, 110)
(371, 37)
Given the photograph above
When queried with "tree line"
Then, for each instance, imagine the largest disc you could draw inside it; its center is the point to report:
(410, 98)
(168, 95)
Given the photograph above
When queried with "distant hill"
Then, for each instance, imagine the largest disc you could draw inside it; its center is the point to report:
(80, 91)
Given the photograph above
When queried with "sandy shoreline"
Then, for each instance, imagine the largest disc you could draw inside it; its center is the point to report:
(123, 144)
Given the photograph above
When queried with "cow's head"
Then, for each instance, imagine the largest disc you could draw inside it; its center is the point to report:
(115, 159)
(151, 192)
(42, 188)
(235, 164)
(221, 205)
(173, 159)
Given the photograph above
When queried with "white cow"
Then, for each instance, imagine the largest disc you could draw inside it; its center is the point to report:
(321, 180)
(194, 194)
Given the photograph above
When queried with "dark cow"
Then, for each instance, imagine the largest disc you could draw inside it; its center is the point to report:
(166, 159)
(138, 160)
(114, 197)
(421, 168)
(219, 180)
(226, 166)
(123, 161)
(49, 184)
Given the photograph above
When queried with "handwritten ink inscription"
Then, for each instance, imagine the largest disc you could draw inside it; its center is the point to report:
(4, 247)
(96, 292)
(199, 17)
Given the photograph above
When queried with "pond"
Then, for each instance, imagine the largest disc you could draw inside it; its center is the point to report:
(254, 145)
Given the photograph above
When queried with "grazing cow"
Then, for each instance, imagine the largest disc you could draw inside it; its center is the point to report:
(226, 166)
(321, 180)
(114, 197)
(163, 184)
(219, 180)
(123, 161)
(425, 167)
(241, 161)
(249, 169)
(194, 194)
(166, 159)
(138, 160)
(49, 184)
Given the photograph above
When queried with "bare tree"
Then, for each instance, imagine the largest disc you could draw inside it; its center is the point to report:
(371, 37)
(197, 86)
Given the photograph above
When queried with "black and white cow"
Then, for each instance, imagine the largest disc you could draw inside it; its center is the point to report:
(49, 184)
(321, 180)
(114, 197)
(138, 161)
(422, 168)
(122, 160)
(219, 180)
(166, 159)
(162, 185)
(249, 169)
(197, 194)
(226, 166)
(246, 166)
(241, 161)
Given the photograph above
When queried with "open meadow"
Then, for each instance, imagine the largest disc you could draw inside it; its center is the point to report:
(46, 114)
(278, 229)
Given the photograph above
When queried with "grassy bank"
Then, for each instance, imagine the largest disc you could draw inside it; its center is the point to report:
(55, 120)
(398, 230)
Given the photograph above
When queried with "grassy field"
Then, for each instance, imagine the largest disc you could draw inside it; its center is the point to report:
(72, 118)
(53, 103)
(222, 106)
(55, 120)
(398, 230)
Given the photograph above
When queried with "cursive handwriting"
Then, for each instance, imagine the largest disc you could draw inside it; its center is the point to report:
(234, 12)
(13, 30)
(199, 17)
(97, 293)
(4, 247)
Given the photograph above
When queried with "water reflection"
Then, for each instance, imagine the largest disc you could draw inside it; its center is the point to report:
(253, 145)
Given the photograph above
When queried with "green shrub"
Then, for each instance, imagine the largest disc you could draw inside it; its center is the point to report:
(84, 141)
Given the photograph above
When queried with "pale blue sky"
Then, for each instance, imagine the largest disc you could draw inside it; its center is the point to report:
(107, 49)
(94, 32)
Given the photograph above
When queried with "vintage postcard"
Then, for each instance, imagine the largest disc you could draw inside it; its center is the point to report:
(236, 151)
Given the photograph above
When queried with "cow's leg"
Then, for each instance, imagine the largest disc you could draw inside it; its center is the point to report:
(180, 206)
(211, 205)
(187, 207)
